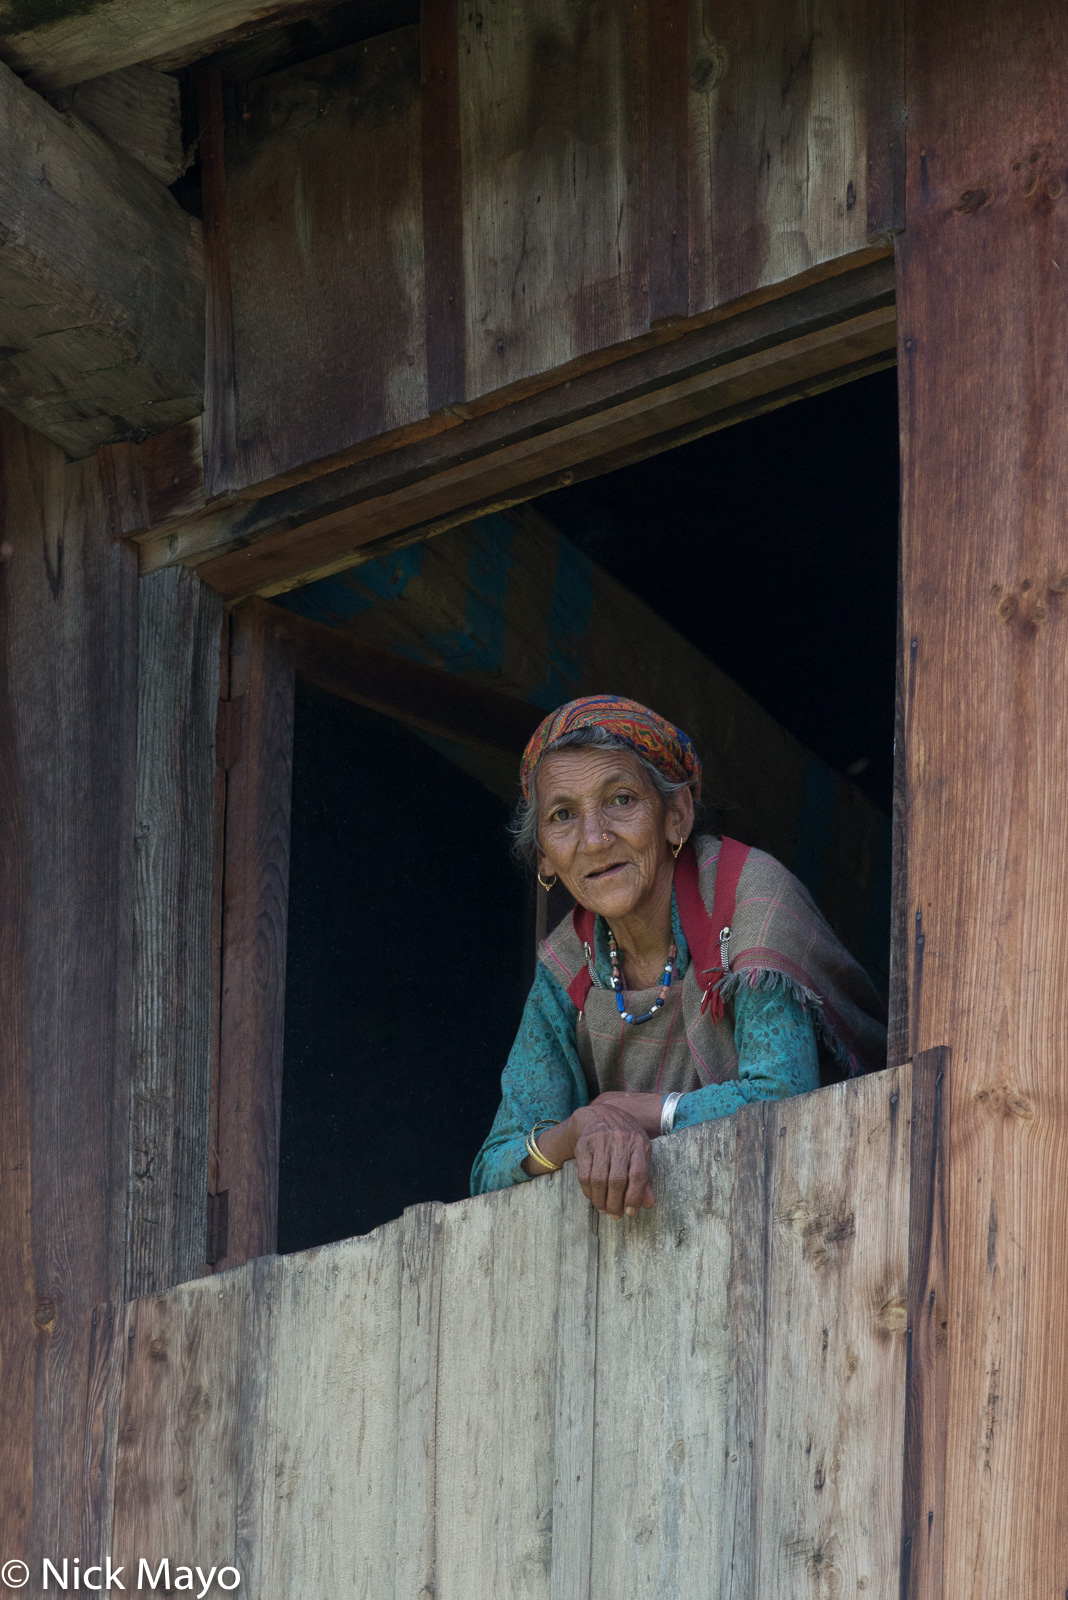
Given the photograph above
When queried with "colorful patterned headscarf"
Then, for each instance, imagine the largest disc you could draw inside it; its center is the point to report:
(666, 747)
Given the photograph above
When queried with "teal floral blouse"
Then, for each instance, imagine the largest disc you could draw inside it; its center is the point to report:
(543, 1080)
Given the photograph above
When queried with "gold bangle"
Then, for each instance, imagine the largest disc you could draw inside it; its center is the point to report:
(532, 1146)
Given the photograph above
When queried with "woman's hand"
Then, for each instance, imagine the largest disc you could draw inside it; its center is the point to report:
(612, 1151)
(646, 1109)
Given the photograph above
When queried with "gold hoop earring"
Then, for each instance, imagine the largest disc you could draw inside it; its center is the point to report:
(677, 849)
(547, 886)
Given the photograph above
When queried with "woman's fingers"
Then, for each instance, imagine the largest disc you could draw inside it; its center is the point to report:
(637, 1183)
(612, 1166)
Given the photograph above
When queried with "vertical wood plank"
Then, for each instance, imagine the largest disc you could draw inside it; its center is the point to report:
(220, 415)
(555, 245)
(498, 1341)
(897, 1028)
(442, 185)
(664, 1352)
(255, 901)
(68, 687)
(102, 1399)
(985, 558)
(885, 97)
(417, 1387)
(830, 1515)
(923, 1500)
(327, 1472)
(576, 1351)
(178, 690)
(667, 158)
(745, 1389)
(177, 1454)
(254, 1502)
(324, 188)
(787, 181)
(18, 1335)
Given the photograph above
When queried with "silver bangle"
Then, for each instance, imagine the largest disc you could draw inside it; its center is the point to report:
(667, 1111)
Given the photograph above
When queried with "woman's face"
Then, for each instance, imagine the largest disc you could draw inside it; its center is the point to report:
(605, 831)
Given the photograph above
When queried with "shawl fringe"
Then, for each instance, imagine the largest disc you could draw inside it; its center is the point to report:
(769, 978)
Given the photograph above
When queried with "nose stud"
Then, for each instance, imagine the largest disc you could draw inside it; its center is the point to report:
(607, 837)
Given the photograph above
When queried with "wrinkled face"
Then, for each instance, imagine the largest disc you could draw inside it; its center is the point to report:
(605, 831)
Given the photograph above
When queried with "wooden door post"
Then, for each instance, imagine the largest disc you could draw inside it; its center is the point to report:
(983, 352)
(255, 747)
(68, 734)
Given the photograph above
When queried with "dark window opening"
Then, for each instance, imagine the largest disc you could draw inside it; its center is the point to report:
(772, 548)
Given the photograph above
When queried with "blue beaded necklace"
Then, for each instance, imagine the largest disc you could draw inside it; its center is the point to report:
(617, 983)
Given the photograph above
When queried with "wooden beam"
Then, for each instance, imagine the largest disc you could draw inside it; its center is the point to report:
(927, 1382)
(256, 751)
(68, 728)
(707, 378)
(427, 698)
(101, 283)
(983, 307)
(66, 41)
(170, 1100)
(138, 109)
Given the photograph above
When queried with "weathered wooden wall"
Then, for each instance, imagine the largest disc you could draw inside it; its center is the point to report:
(416, 223)
(68, 698)
(502, 1397)
(107, 705)
(983, 305)
(508, 600)
(415, 245)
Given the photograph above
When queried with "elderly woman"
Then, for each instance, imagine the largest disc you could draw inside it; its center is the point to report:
(695, 976)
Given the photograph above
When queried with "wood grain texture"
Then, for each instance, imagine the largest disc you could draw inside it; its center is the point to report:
(665, 1345)
(323, 185)
(153, 482)
(576, 1385)
(220, 459)
(985, 562)
(68, 664)
(667, 158)
(502, 1397)
(554, 241)
(178, 1440)
(139, 110)
(254, 908)
(101, 283)
(886, 117)
(442, 197)
(67, 42)
(422, 1229)
(786, 174)
(710, 378)
(838, 1205)
(326, 1496)
(178, 691)
(927, 1393)
(494, 1480)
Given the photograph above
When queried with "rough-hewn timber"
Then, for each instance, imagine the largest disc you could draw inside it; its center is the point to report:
(170, 1121)
(59, 42)
(354, 1409)
(983, 306)
(68, 721)
(707, 377)
(101, 283)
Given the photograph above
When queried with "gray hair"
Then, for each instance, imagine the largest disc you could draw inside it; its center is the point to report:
(524, 824)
